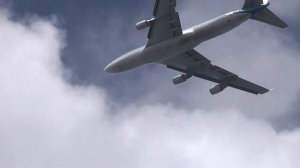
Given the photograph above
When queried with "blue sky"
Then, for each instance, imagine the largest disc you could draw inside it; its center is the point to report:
(69, 113)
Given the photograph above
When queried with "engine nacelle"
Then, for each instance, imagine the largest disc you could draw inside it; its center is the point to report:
(217, 89)
(181, 78)
(144, 24)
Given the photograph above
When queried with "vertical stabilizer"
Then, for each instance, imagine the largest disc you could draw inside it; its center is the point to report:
(252, 3)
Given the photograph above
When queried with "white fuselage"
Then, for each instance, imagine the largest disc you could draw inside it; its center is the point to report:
(178, 45)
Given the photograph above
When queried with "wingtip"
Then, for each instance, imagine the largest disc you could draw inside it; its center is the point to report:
(266, 91)
(263, 91)
(284, 26)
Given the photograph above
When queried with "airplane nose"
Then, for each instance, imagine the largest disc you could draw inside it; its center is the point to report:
(112, 68)
(108, 69)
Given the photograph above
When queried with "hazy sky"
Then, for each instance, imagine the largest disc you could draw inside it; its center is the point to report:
(60, 110)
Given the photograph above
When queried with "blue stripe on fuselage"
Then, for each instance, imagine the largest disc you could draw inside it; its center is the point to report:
(252, 10)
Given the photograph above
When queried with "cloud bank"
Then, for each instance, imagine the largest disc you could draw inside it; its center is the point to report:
(47, 122)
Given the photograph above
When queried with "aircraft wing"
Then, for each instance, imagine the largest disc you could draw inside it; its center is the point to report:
(166, 24)
(192, 62)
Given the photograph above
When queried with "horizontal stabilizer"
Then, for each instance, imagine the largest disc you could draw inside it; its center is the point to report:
(267, 16)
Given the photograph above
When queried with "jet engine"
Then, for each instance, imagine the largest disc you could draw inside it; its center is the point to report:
(181, 78)
(217, 89)
(144, 24)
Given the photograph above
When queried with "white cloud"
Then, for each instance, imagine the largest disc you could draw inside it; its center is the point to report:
(46, 122)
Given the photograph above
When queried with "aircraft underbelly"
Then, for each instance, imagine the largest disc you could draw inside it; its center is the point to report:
(218, 26)
(169, 48)
(191, 39)
(178, 45)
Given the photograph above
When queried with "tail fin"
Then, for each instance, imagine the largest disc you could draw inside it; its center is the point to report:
(263, 14)
(252, 3)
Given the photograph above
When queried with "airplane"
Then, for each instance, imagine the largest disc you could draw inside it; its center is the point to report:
(170, 46)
